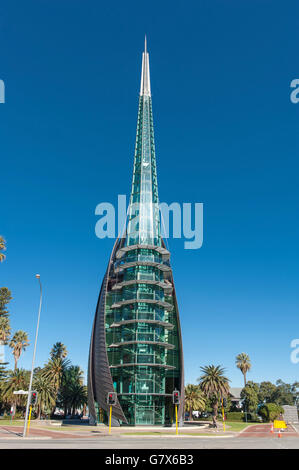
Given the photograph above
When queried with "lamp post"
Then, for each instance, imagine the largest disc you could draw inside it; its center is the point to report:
(33, 359)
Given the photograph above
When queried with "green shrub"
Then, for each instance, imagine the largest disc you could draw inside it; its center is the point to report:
(235, 416)
(270, 411)
(253, 417)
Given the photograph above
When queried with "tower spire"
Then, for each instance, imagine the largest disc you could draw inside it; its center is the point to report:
(136, 344)
(143, 221)
(145, 87)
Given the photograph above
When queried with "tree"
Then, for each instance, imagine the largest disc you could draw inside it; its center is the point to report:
(3, 372)
(4, 330)
(270, 411)
(5, 298)
(16, 380)
(71, 382)
(214, 385)
(244, 364)
(284, 393)
(194, 399)
(250, 396)
(295, 392)
(76, 374)
(266, 391)
(3, 376)
(78, 395)
(54, 370)
(58, 351)
(18, 343)
(2, 248)
(46, 394)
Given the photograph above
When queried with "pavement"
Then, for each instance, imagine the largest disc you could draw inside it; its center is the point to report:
(263, 430)
(254, 437)
(152, 442)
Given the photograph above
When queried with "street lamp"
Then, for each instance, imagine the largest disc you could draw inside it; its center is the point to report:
(33, 359)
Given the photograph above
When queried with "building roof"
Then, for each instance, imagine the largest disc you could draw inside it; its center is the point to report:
(235, 392)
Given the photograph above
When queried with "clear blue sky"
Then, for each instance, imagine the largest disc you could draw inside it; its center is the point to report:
(226, 135)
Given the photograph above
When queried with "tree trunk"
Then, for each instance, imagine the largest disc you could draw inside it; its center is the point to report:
(190, 414)
(16, 364)
(244, 379)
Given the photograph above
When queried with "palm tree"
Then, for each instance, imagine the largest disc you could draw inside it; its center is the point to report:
(2, 248)
(214, 385)
(46, 394)
(4, 329)
(78, 395)
(5, 298)
(244, 364)
(18, 343)
(76, 374)
(16, 380)
(194, 399)
(3, 371)
(71, 382)
(54, 370)
(58, 351)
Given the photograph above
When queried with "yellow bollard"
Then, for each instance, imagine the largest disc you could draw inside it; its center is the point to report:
(223, 417)
(29, 419)
(110, 419)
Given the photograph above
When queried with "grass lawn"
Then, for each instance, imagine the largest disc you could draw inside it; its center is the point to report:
(237, 425)
(234, 426)
(67, 428)
(14, 422)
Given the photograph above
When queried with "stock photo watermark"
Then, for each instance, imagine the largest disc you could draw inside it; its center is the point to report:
(2, 92)
(295, 353)
(294, 96)
(187, 220)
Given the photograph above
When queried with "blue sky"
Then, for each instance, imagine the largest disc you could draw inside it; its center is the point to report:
(226, 135)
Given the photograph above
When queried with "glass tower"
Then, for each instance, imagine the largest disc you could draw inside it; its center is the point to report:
(136, 345)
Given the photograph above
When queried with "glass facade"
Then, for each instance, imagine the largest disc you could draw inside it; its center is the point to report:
(143, 217)
(141, 321)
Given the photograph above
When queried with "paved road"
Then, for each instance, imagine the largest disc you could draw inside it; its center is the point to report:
(123, 442)
(264, 430)
(255, 437)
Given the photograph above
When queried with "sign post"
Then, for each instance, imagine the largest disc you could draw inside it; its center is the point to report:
(176, 401)
(110, 415)
(223, 405)
(30, 410)
(111, 400)
(33, 358)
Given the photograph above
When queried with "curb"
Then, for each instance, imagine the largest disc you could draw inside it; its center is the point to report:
(179, 436)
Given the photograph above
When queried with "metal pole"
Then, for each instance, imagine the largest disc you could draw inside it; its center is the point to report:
(29, 418)
(223, 417)
(110, 414)
(33, 359)
(176, 419)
